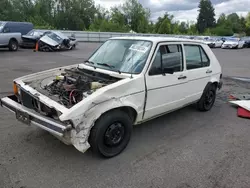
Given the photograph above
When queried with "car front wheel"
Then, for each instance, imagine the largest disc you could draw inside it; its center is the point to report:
(111, 133)
(207, 99)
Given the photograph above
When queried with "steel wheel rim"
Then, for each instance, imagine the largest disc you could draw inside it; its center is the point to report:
(209, 98)
(13, 46)
(114, 134)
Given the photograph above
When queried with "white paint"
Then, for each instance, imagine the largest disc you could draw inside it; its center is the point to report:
(233, 44)
(242, 103)
(171, 93)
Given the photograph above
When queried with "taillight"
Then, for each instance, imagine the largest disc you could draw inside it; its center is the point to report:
(220, 76)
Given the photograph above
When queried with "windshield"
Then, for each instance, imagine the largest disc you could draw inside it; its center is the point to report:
(37, 33)
(122, 55)
(210, 39)
(30, 32)
(54, 37)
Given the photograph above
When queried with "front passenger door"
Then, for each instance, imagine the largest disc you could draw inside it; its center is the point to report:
(5, 36)
(165, 80)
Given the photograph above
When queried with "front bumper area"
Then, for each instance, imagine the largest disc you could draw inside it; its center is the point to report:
(28, 116)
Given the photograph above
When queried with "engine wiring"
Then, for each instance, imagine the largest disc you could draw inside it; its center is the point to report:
(72, 86)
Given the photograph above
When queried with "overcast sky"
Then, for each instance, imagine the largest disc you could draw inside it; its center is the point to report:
(184, 10)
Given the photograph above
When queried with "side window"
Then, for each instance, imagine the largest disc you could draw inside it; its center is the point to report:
(168, 59)
(6, 30)
(195, 57)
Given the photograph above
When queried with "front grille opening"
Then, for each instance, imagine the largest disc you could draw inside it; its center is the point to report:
(32, 103)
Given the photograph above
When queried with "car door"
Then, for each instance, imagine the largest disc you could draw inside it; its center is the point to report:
(165, 80)
(198, 70)
(5, 36)
(241, 43)
(218, 43)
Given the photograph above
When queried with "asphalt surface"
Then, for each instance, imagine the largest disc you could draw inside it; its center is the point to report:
(184, 149)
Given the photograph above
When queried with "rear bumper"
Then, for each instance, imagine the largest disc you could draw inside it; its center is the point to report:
(28, 116)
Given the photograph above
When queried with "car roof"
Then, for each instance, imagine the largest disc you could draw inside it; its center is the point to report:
(159, 39)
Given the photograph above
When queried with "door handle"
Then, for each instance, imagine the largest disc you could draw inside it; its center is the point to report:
(182, 77)
(209, 71)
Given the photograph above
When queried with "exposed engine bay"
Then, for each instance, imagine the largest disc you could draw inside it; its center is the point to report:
(73, 85)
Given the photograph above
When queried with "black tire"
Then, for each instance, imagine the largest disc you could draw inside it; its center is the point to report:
(207, 99)
(111, 134)
(13, 45)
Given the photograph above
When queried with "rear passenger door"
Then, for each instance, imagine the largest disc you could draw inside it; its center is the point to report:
(199, 71)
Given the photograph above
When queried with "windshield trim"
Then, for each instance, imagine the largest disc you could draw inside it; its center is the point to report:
(114, 70)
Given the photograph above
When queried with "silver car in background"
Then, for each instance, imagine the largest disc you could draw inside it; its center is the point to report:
(9, 39)
(233, 43)
(55, 41)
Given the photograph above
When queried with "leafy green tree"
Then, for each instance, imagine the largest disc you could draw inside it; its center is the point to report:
(206, 17)
(183, 28)
(6, 10)
(165, 27)
(164, 21)
(222, 19)
(222, 30)
(137, 15)
(74, 14)
(151, 27)
(234, 20)
(248, 24)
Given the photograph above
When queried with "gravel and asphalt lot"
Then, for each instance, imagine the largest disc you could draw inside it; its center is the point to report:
(184, 149)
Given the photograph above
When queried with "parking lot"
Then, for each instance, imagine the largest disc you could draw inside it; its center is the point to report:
(184, 149)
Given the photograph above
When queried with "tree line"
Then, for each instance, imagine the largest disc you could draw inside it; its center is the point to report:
(84, 15)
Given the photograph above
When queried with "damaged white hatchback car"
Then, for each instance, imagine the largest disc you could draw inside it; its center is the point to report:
(126, 81)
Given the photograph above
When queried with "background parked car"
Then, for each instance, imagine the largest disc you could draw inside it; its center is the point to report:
(16, 27)
(233, 43)
(55, 41)
(247, 42)
(31, 38)
(9, 40)
(214, 42)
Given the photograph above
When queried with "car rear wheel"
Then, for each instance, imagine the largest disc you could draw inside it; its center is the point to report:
(207, 99)
(111, 134)
(13, 45)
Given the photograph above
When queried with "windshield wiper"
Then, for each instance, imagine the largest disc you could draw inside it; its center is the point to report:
(110, 66)
(106, 65)
(90, 62)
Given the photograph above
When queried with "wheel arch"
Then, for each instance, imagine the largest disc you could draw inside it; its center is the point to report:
(132, 113)
(215, 81)
(13, 39)
(212, 82)
(84, 123)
